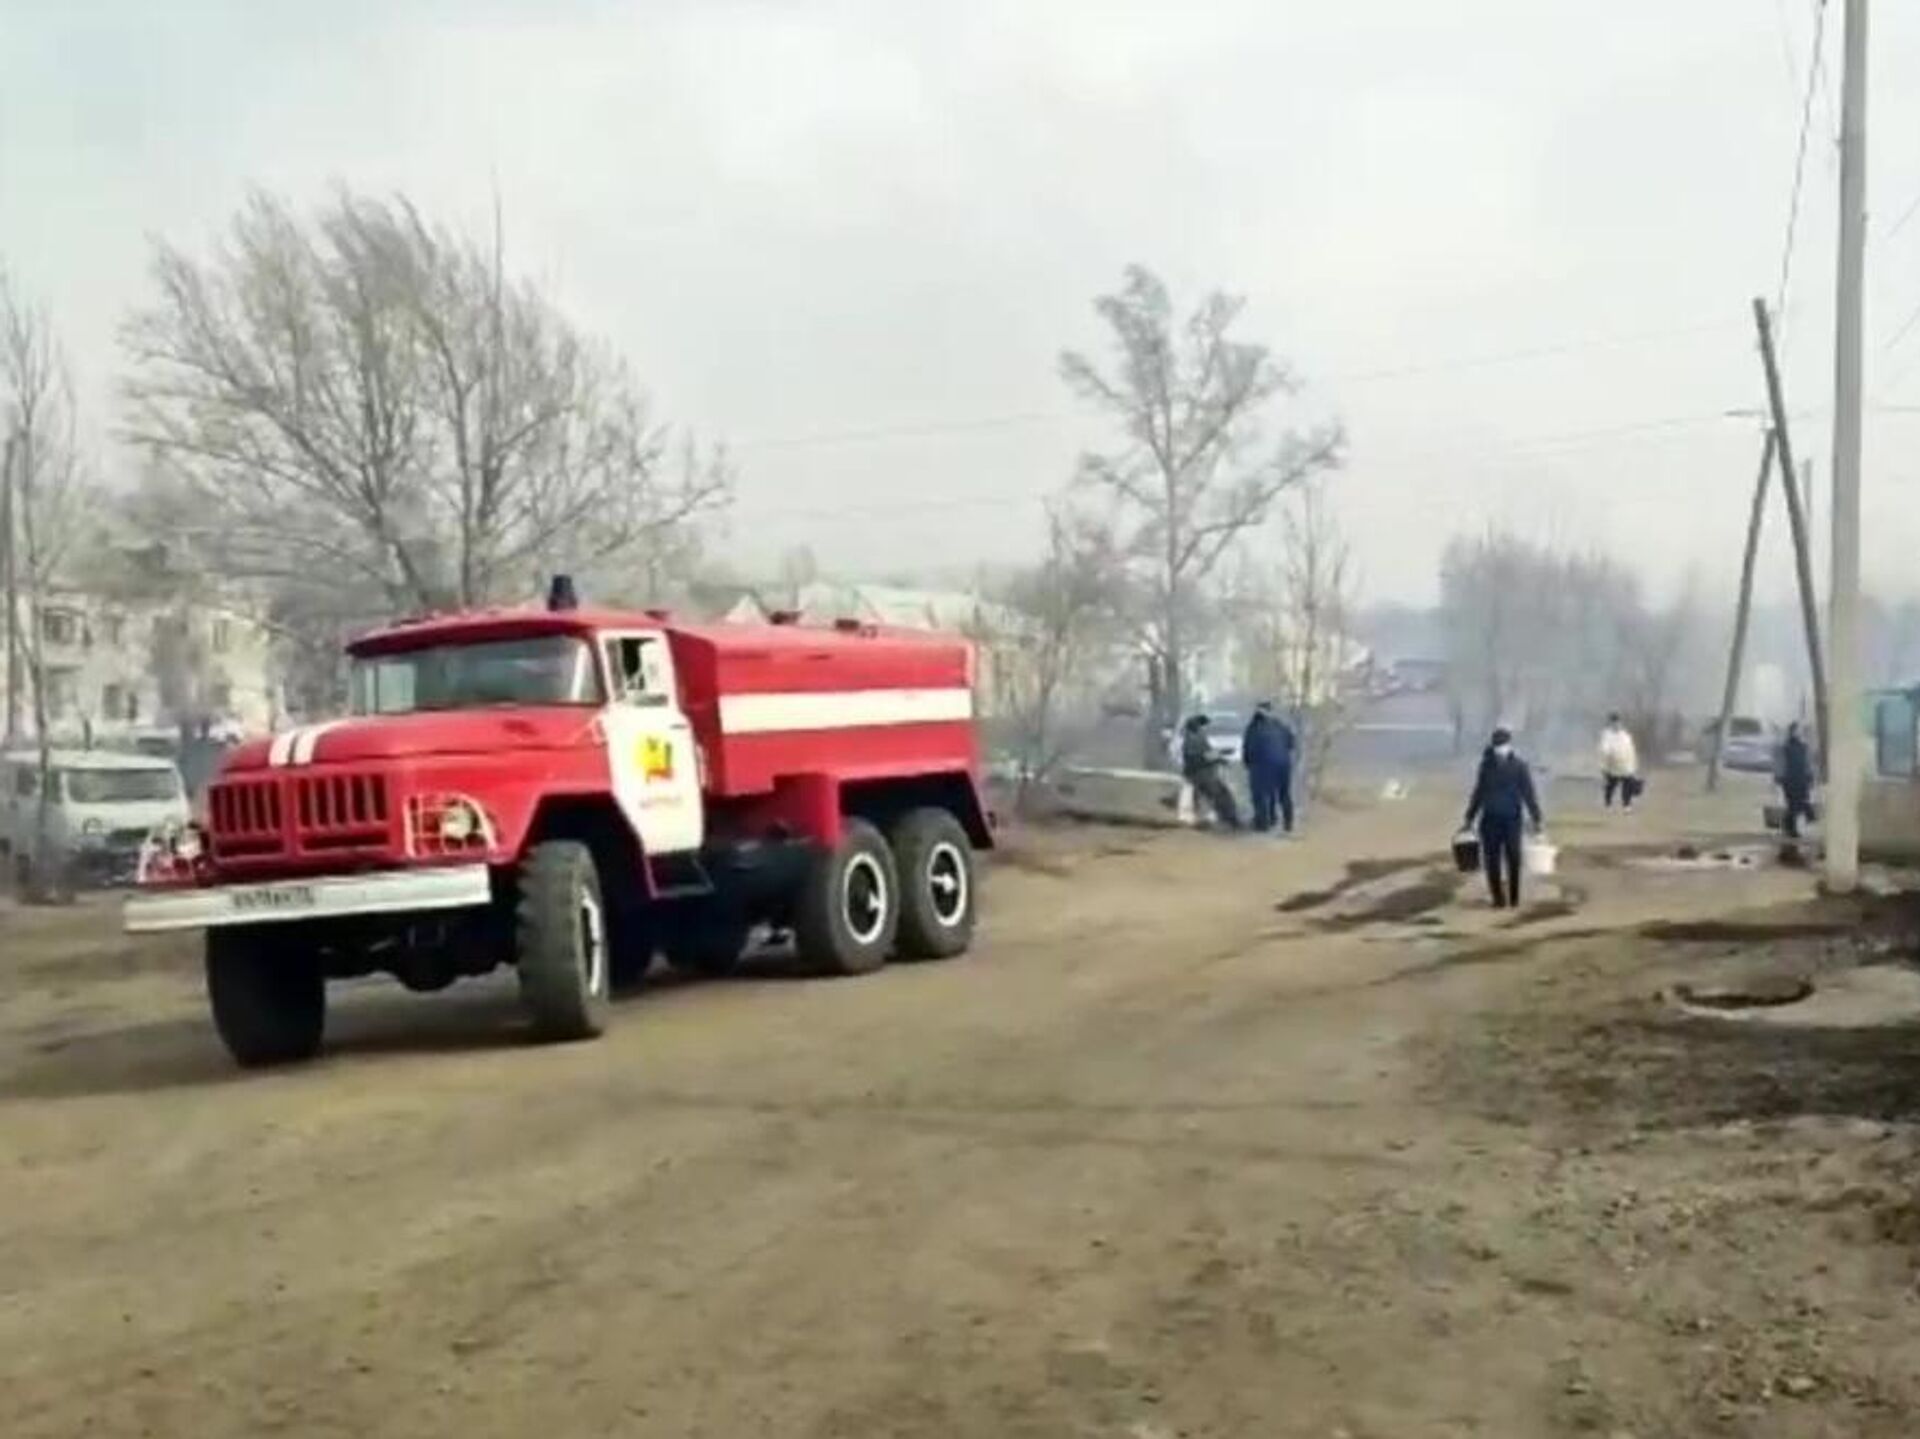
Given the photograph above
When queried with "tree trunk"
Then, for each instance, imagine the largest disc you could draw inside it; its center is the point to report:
(9, 562)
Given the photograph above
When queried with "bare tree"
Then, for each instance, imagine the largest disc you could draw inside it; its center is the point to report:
(1317, 595)
(1195, 470)
(1657, 650)
(1065, 614)
(362, 396)
(1297, 617)
(1554, 641)
(45, 514)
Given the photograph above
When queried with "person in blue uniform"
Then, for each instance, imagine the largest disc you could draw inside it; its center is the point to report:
(1795, 778)
(1503, 802)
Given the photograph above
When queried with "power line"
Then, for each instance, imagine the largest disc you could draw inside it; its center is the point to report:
(1800, 153)
(1906, 328)
(1905, 215)
(1521, 448)
(1479, 362)
(934, 429)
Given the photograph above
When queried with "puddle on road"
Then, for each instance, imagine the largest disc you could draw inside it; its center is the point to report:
(1360, 872)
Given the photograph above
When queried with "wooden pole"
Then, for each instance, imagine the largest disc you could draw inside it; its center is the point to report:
(1797, 519)
(11, 598)
(1736, 653)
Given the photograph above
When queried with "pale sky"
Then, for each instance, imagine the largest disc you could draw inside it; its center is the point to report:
(851, 238)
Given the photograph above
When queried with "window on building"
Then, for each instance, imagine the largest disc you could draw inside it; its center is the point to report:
(60, 627)
(63, 690)
(113, 629)
(26, 781)
(113, 701)
(221, 635)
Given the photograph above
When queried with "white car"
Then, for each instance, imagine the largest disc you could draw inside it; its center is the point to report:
(102, 808)
(1224, 728)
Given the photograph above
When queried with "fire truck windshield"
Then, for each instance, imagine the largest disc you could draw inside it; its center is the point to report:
(542, 670)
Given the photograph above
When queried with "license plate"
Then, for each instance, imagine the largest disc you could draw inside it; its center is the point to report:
(273, 899)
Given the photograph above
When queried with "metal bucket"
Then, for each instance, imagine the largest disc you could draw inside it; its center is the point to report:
(1540, 857)
(1466, 851)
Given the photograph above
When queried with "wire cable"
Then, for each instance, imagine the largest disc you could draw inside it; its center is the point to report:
(1019, 419)
(1800, 154)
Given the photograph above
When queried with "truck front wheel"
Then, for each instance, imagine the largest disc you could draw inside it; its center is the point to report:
(849, 907)
(936, 884)
(561, 942)
(268, 994)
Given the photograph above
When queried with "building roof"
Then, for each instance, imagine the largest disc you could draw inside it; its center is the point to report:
(91, 759)
(900, 606)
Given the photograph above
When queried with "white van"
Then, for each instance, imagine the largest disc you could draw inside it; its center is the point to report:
(103, 807)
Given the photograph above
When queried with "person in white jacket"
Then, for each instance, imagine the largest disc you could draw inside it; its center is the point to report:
(1619, 764)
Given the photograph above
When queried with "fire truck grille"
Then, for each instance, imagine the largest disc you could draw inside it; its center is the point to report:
(340, 811)
(244, 819)
(255, 819)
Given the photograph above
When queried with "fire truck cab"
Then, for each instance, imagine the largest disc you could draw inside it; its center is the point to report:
(571, 791)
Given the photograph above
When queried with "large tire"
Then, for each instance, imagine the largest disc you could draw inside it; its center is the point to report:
(705, 938)
(561, 942)
(268, 995)
(849, 907)
(935, 859)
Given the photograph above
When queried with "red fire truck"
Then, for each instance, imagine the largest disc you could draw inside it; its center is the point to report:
(571, 791)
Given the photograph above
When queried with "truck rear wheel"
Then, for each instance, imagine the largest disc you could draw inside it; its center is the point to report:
(935, 859)
(561, 942)
(705, 938)
(849, 907)
(268, 995)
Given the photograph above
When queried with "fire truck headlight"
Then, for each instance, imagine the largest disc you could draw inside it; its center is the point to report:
(458, 822)
(188, 843)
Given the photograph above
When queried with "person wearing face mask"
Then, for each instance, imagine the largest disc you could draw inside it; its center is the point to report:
(1503, 800)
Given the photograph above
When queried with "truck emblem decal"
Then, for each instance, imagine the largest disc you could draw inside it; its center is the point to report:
(656, 758)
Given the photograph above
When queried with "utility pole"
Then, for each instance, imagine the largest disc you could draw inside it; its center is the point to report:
(1813, 510)
(1797, 520)
(1736, 656)
(1845, 744)
(12, 595)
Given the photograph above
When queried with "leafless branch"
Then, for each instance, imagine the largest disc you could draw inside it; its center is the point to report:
(376, 391)
(1193, 474)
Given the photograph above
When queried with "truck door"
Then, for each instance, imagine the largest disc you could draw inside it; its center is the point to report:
(650, 750)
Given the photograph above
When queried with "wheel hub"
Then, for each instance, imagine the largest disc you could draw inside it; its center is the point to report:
(947, 883)
(593, 942)
(864, 899)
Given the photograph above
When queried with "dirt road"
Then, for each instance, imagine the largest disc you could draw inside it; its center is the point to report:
(1203, 1140)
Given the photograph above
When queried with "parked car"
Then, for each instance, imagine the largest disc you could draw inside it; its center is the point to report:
(1224, 728)
(1751, 745)
(102, 809)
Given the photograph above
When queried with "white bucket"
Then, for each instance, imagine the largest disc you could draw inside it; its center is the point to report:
(1539, 856)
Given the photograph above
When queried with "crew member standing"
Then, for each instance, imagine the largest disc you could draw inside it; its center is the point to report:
(1285, 745)
(1257, 754)
(1795, 779)
(1619, 764)
(1503, 800)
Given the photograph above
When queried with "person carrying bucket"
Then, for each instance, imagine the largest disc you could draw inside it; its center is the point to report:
(1503, 800)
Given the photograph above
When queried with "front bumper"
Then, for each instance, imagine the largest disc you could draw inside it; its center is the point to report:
(396, 891)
